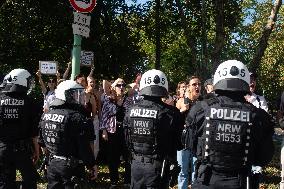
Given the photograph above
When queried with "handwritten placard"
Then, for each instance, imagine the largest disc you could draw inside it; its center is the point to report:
(48, 67)
(87, 58)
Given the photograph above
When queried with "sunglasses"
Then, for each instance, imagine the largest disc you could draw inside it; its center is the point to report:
(120, 85)
(51, 81)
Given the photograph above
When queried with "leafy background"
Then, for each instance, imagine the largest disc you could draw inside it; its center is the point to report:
(195, 37)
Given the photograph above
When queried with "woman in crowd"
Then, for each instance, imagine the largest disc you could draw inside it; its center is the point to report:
(47, 90)
(94, 106)
(113, 111)
(188, 93)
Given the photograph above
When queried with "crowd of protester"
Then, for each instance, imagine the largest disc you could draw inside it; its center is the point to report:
(107, 102)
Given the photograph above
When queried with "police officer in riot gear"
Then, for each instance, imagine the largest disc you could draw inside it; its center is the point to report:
(227, 133)
(18, 131)
(66, 132)
(153, 134)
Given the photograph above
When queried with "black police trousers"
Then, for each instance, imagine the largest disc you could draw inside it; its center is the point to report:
(14, 157)
(146, 174)
(221, 181)
(60, 173)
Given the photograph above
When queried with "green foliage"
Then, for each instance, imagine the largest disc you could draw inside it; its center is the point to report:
(270, 80)
(123, 38)
(33, 31)
(42, 30)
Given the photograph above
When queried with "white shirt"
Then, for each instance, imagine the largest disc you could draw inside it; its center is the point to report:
(49, 100)
(258, 101)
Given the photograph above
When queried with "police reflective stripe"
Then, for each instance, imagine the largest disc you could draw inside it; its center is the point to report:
(15, 117)
(146, 113)
(230, 114)
(54, 126)
(53, 117)
(142, 127)
(226, 137)
(12, 108)
(50, 133)
(13, 102)
(11, 113)
(206, 138)
(142, 130)
(143, 122)
(65, 158)
(60, 157)
(247, 144)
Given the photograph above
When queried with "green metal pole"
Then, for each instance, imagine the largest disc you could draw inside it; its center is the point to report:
(76, 54)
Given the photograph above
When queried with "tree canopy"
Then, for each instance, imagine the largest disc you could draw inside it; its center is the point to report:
(195, 36)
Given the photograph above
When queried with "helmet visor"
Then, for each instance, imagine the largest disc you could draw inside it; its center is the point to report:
(76, 96)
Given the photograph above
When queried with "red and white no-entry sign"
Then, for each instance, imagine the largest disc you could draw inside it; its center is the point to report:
(83, 5)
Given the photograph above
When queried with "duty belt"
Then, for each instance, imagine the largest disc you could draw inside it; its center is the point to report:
(144, 158)
(230, 172)
(66, 158)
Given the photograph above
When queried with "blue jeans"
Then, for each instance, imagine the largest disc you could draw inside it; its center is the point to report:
(184, 157)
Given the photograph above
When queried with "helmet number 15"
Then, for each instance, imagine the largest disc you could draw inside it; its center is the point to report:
(148, 80)
(224, 72)
(15, 78)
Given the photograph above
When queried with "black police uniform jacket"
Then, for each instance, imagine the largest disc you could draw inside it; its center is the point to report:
(66, 132)
(230, 134)
(154, 128)
(18, 117)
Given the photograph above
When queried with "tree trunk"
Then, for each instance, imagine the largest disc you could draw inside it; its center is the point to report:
(190, 39)
(204, 53)
(263, 41)
(158, 35)
(220, 33)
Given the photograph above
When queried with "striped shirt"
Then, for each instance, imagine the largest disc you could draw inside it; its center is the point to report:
(108, 114)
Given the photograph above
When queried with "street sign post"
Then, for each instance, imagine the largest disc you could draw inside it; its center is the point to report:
(83, 6)
(81, 27)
